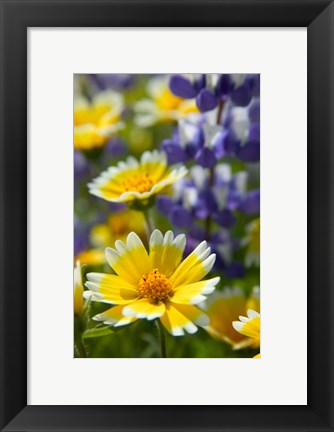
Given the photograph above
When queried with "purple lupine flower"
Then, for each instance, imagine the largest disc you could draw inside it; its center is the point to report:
(225, 218)
(81, 236)
(175, 153)
(205, 88)
(199, 138)
(234, 270)
(242, 90)
(113, 208)
(182, 87)
(243, 136)
(186, 86)
(113, 81)
(206, 100)
(217, 194)
(210, 89)
(116, 147)
(206, 156)
(206, 204)
(164, 204)
(224, 246)
(81, 165)
(254, 111)
(250, 203)
(180, 216)
(186, 140)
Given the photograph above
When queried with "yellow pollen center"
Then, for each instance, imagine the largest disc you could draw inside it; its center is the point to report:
(155, 286)
(138, 183)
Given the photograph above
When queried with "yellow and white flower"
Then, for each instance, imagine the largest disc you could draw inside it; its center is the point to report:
(91, 257)
(154, 285)
(118, 226)
(136, 180)
(163, 105)
(226, 306)
(250, 327)
(96, 121)
(78, 290)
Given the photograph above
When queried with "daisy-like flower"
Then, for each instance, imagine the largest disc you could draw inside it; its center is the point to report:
(96, 121)
(118, 226)
(135, 180)
(226, 306)
(250, 327)
(91, 257)
(78, 290)
(155, 284)
(163, 105)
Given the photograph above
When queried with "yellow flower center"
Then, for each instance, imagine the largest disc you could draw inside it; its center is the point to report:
(155, 286)
(138, 183)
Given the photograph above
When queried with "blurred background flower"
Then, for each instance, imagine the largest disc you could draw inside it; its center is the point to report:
(224, 307)
(134, 181)
(78, 289)
(97, 119)
(161, 105)
(250, 327)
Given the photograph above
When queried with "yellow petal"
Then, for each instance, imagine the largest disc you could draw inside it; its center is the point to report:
(194, 293)
(114, 317)
(196, 266)
(249, 326)
(91, 257)
(193, 314)
(143, 308)
(252, 328)
(155, 164)
(166, 252)
(109, 289)
(87, 137)
(78, 289)
(135, 180)
(129, 261)
(175, 322)
(224, 308)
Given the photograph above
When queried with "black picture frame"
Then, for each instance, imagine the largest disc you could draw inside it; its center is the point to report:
(16, 17)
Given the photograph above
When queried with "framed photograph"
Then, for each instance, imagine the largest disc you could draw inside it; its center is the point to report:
(137, 138)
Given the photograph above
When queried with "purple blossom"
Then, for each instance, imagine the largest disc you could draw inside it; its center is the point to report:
(113, 81)
(81, 165)
(116, 147)
(210, 89)
(250, 203)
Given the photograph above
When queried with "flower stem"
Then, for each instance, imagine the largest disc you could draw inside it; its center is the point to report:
(80, 347)
(149, 224)
(219, 111)
(162, 338)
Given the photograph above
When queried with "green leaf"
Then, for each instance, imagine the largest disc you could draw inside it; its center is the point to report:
(97, 332)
